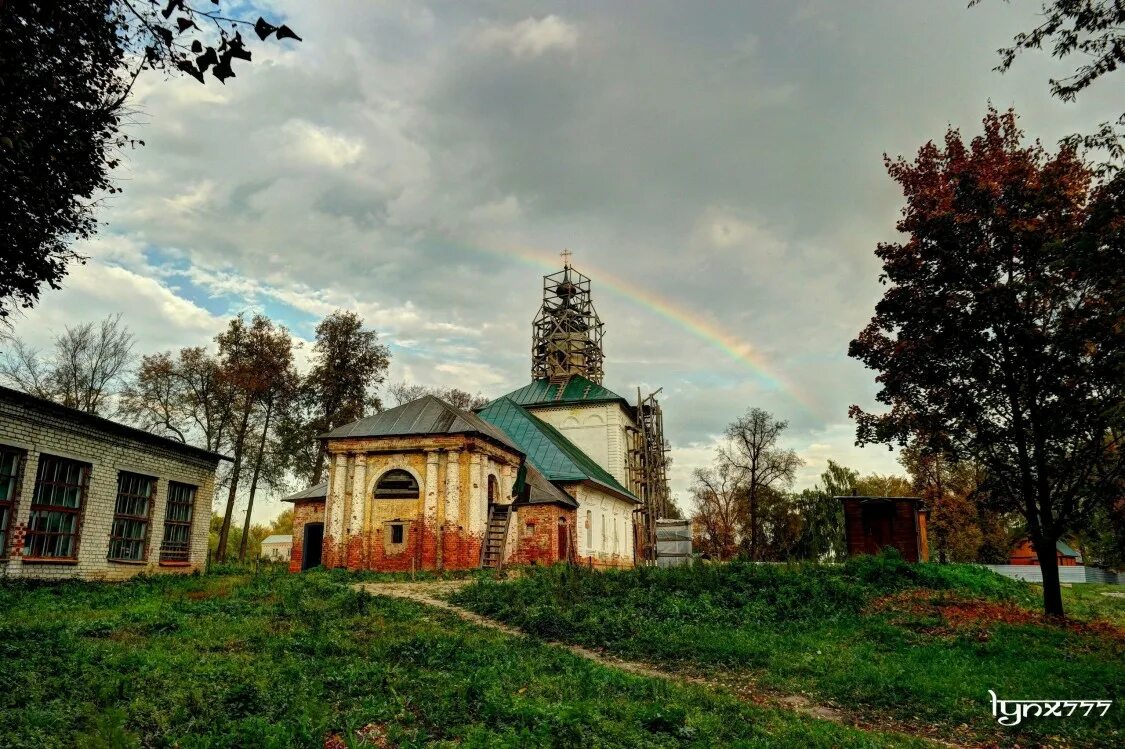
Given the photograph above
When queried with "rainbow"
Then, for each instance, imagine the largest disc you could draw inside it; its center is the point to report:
(687, 320)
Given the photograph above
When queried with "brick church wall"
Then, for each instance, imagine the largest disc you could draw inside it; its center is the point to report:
(538, 540)
(311, 511)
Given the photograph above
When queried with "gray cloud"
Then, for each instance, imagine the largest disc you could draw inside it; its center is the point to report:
(424, 165)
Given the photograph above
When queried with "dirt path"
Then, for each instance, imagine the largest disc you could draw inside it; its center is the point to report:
(432, 594)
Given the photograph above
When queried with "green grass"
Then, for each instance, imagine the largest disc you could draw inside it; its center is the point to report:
(275, 660)
(817, 630)
(1090, 601)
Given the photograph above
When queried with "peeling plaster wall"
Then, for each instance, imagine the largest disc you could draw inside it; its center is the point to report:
(443, 527)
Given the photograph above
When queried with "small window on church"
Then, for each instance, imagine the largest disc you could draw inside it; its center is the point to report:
(397, 484)
(398, 533)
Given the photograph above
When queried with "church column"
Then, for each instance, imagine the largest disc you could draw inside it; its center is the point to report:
(429, 512)
(452, 489)
(336, 518)
(356, 516)
(477, 490)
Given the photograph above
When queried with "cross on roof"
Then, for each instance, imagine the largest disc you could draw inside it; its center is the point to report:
(565, 254)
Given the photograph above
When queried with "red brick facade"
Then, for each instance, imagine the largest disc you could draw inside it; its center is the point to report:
(545, 534)
(311, 511)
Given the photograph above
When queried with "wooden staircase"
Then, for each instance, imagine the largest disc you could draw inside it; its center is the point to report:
(495, 536)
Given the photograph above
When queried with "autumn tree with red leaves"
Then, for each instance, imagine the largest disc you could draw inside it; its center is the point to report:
(1000, 337)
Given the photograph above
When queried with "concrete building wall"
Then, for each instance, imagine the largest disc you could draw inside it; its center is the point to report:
(277, 551)
(36, 433)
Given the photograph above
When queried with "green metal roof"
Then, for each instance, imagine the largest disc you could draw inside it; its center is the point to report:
(1065, 550)
(575, 389)
(556, 457)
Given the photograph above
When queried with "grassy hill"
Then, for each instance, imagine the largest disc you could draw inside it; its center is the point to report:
(276, 660)
(876, 638)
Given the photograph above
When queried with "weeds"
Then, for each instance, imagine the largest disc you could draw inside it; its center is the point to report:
(817, 629)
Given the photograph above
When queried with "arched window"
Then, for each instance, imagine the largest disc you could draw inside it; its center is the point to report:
(397, 484)
(493, 489)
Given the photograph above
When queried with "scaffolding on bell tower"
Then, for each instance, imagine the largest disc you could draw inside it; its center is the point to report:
(567, 332)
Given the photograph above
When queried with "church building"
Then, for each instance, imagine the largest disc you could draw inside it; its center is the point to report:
(562, 469)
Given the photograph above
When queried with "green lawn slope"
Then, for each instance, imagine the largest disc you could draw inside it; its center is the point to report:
(277, 660)
(875, 637)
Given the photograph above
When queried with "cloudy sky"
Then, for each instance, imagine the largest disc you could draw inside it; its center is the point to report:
(716, 168)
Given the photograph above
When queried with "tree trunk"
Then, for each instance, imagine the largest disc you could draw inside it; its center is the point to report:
(753, 526)
(318, 464)
(1049, 564)
(254, 482)
(236, 471)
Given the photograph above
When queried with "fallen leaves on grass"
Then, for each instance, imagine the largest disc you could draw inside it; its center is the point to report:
(958, 614)
(372, 734)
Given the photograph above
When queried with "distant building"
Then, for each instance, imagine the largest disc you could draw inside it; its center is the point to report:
(82, 496)
(277, 548)
(874, 523)
(1024, 553)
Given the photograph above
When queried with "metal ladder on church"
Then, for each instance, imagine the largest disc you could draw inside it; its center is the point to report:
(492, 554)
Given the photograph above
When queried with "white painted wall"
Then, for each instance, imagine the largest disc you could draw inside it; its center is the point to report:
(605, 523)
(599, 429)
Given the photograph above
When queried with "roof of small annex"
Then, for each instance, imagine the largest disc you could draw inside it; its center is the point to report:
(556, 457)
(426, 415)
(277, 539)
(100, 423)
(574, 389)
(319, 491)
(542, 491)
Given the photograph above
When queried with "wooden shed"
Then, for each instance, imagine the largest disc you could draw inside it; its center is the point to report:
(874, 523)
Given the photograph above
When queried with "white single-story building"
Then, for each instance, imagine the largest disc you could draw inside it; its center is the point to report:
(277, 548)
(83, 496)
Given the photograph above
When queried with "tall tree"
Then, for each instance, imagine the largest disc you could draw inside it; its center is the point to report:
(183, 396)
(284, 384)
(762, 463)
(719, 505)
(963, 526)
(349, 364)
(86, 367)
(822, 532)
(68, 67)
(1001, 335)
(1094, 29)
(251, 358)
